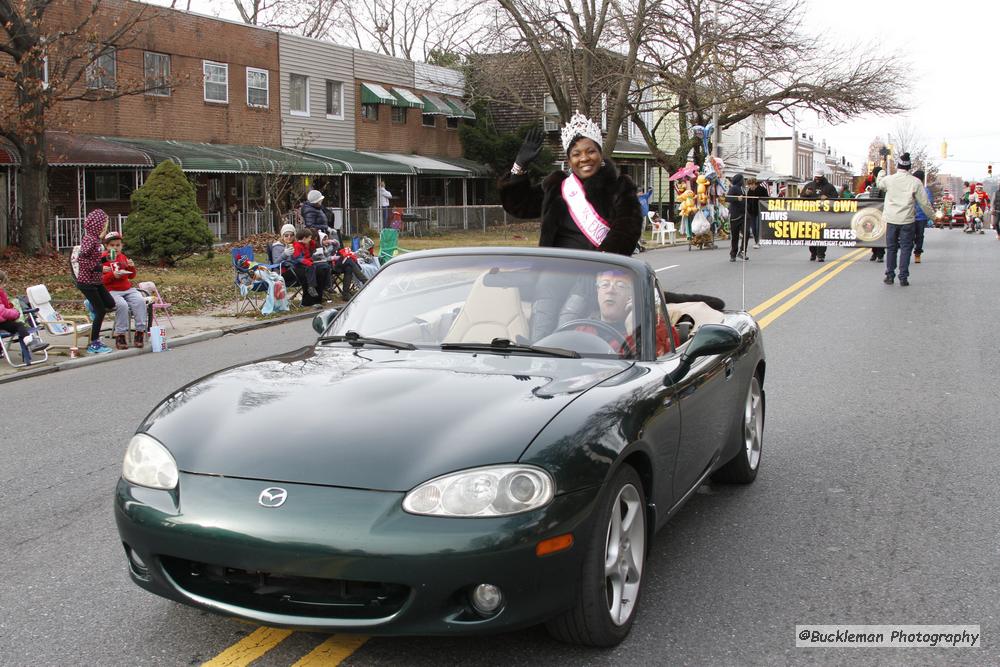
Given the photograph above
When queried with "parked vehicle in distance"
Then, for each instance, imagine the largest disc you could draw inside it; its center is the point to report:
(958, 218)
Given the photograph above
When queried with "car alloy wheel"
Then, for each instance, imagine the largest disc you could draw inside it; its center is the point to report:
(742, 468)
(624, 554)
(611, 574)
(753, 424)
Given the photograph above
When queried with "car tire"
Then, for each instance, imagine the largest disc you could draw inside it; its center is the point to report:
(742, 468)
(608, 595)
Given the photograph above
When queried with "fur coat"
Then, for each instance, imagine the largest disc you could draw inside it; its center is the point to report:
(612, 194)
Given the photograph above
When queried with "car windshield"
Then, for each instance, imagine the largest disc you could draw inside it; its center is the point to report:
(503, 303)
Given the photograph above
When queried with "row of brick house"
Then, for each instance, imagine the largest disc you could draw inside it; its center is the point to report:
(240, 107)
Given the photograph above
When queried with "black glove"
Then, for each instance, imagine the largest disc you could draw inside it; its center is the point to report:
(531, 147)
(876, 171)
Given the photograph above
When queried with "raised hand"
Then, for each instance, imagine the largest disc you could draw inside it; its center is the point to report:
(531, 147)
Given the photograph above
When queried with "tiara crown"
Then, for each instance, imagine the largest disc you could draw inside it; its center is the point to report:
(580, 126)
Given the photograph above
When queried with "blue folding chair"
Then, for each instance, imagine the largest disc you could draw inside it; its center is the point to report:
(250, 291)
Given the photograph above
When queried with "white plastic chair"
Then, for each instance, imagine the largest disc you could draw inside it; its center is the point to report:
(663, 230)
(63, 331)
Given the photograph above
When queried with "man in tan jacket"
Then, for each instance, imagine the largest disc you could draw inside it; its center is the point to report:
(902, 191)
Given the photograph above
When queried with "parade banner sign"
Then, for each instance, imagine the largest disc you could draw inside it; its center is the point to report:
(827, 222)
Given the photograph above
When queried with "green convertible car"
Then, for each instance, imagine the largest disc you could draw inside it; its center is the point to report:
(481, 440)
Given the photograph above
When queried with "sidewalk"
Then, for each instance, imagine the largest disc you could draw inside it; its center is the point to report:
(187, 329)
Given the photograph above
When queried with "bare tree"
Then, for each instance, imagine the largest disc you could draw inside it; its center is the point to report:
(749, 58)
(49, 60)
(309, 18)
(585, 53)
(411, 29)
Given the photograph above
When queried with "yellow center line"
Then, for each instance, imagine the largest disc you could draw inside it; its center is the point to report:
(757, 310)
(780, 310)
(248, 649)
(332, 652)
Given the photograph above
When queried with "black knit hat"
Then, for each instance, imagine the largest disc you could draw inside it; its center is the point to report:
(904, 161)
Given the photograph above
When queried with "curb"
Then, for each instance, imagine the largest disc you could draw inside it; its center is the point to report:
(79, 362)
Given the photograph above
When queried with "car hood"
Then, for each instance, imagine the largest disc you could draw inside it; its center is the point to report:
(368, 418)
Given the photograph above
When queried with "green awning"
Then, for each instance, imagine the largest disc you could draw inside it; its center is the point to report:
(476, 169)
(459, 110)
(232, 158)
(362, 163)
(372, 93)
(426, 166)
(435, 105)
(405, 98)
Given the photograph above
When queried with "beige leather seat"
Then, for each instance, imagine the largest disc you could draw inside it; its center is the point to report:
(488, 313)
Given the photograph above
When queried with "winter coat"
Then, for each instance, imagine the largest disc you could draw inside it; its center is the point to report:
(755, 194)
(89, 256)
(303, 252)
(314, 216)
(613, 196)
(903, 193)
(822, 188)
(918, 213)
(8, 313)
(122, 283)
(736, 197)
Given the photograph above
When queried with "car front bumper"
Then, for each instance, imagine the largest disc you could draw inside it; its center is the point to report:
(346, 559)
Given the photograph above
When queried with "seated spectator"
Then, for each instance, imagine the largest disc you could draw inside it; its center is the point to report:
(343, 261)
(366, 259)
(311, 277)
(10, 320)
(314, 216)
(117, 272)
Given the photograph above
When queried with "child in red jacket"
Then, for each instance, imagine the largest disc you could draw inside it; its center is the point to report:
(118, 270)
(10, 321)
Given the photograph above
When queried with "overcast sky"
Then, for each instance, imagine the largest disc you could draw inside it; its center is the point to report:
(954, 96)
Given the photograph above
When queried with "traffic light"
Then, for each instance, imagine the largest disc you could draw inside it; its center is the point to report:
(989, 170)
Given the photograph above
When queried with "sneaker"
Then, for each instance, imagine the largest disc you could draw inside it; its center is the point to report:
(889, 280)
(732, 259)
(756, 246)
(904, 282)
(916, 258)
(37, 344)
(97, 347)
(821, 259)
(812, 258)
(121, 343)
(140, 338)
(311, 291)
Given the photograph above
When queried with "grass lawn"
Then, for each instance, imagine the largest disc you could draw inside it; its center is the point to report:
(204, 283)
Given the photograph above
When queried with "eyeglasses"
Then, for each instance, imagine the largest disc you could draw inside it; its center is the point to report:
(617, 284)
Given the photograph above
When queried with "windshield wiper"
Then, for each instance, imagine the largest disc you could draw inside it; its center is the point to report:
(357, 340)
(505, 345)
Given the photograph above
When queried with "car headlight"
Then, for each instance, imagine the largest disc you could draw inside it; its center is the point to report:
(148, 463)
(490, 491)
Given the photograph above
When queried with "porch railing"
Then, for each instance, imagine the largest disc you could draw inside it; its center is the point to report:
(214, 221)
(253, 222)
(419, 220)
(65, 233)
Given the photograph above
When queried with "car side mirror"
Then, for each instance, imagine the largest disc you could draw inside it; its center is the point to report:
(709, 339)
(322, 321)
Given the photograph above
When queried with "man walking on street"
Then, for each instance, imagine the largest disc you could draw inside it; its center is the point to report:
(920, 220)
(902, 191)
(736, 197)
(818, 188)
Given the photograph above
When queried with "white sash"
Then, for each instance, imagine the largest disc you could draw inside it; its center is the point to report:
(588, 220)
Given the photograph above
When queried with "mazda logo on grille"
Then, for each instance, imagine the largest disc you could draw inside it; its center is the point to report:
(273, 496)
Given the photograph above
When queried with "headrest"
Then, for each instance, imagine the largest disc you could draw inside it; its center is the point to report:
(38, 294)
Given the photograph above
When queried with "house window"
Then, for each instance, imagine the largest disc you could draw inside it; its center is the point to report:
(428, 120)
(369, 111)
(157, 73)
(101, 72)
(453, 123)
(257, 87)
(334, 99)
(551, 113)
(298, 94)
(109, 185)
(216, 81)
(399, 115)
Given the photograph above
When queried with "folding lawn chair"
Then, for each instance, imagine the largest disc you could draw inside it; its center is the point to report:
(63, 331)
(276, 263)
(250, 291)
(388, 245)
(6, 338)
(155, 301)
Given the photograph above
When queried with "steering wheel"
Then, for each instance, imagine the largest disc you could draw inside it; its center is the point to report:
(605, 331)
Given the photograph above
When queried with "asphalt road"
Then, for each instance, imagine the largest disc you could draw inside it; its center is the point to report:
(877, 501)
